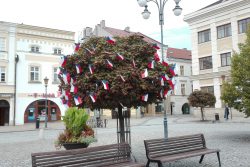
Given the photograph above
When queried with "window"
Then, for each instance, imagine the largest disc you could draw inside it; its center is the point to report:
(208, 89)
(34, 49)
(2, 74)
(206, 63)
(57, 51)
(55, 75)
(34, 73)
(2, 44)
(242, 25)
(224, 31)
(225, 59)
(183, 89)
(181, 70)
(204, 36)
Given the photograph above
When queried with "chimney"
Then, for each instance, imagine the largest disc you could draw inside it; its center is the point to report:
(127, 29)
(102, 24)
(87, 32)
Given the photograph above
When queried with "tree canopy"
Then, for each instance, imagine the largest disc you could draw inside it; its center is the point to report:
(240, 79)
(104, 73)
(201, 99)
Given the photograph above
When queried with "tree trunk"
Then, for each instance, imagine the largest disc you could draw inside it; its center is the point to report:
(202, 114)
(121, 125)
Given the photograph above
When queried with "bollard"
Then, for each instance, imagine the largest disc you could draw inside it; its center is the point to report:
(105, 122)
(37, 122)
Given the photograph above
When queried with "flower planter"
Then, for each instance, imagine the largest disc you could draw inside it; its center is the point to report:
(71, 146)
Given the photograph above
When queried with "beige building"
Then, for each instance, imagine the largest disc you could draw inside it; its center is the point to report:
(28, 54)
(216, 30)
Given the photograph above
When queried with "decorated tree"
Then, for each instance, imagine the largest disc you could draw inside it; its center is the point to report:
(240, 78)
(201, 99)
(107, 73)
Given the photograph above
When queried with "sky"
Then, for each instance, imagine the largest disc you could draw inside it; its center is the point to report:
(75, 15)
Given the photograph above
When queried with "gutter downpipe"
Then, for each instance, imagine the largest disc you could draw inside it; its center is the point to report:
(16, 61)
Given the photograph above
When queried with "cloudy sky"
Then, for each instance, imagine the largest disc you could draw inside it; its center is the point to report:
(74, 15)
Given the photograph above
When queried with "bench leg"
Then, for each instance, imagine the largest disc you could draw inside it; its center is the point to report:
(218, 155)
(148, 163)
(160, 164)
(201, 159)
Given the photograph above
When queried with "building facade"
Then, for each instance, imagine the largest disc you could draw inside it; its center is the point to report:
(34, 54)
(177, 104)
(216, 32)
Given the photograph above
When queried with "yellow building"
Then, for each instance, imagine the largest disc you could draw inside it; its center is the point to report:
(216, 30)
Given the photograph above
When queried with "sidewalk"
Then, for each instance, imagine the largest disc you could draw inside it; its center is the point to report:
(112, 123)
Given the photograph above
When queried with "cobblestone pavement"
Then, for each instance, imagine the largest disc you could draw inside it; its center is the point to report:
(232, 137)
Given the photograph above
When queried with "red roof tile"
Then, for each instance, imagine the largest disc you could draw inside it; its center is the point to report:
(122, 33)
(179, 53)
(171, 52)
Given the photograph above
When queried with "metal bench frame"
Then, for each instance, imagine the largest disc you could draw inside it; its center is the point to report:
(113, 155)
(176, 148)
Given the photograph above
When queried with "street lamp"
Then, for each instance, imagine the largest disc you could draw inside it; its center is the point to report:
(46, 80)
(146, 14)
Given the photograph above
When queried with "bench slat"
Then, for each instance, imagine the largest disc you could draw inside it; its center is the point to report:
(108, 155)
(175, 148)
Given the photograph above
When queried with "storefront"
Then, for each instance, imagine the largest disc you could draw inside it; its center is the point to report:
(37, 109)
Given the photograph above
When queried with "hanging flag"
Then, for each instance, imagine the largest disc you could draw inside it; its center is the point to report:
(162, 81)
(144, 74)
(161, 94)
(67, 95)
(110, 40)
(89, 51)
(73, 80)
(151, 64)
(119, 57)
(59, 70)
(171, 83)
(91, 69)
(78, 69)
(109, 64)
(105, 84)
(144, 97)
(133, 63)
(66, 78)
(172, 70)
(77, 47)
(122, 78)
(63, 61)
(165, 63)
(77, 100)
(74, 89)
(155, 46)
(166, 92)
(156, 57)
(93, 97)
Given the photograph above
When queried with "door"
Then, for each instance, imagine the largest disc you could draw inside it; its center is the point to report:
(4, 112)
(53, 114)
(185, 109)
(31, 114)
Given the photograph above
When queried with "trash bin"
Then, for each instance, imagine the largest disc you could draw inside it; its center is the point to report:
(37, 122)
(217, 118)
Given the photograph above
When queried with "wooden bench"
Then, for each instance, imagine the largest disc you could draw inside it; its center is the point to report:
(176, 148)
(114, 155)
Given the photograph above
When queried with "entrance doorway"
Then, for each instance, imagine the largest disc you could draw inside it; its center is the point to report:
(37, 109)
(4, 112)
(185, 109)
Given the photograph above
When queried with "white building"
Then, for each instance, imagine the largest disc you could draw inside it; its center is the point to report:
(178, 103)
(216, 32)
(37, 52)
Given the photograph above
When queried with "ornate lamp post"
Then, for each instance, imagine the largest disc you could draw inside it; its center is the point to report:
(46, 80)
(177, 11)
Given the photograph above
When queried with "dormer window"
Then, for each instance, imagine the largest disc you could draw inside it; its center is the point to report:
(57, 51)
(34, 49)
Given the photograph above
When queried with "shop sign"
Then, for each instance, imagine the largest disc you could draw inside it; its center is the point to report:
(6, 95)
(43, 95)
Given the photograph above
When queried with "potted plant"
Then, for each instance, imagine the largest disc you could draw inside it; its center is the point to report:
(77, 133)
